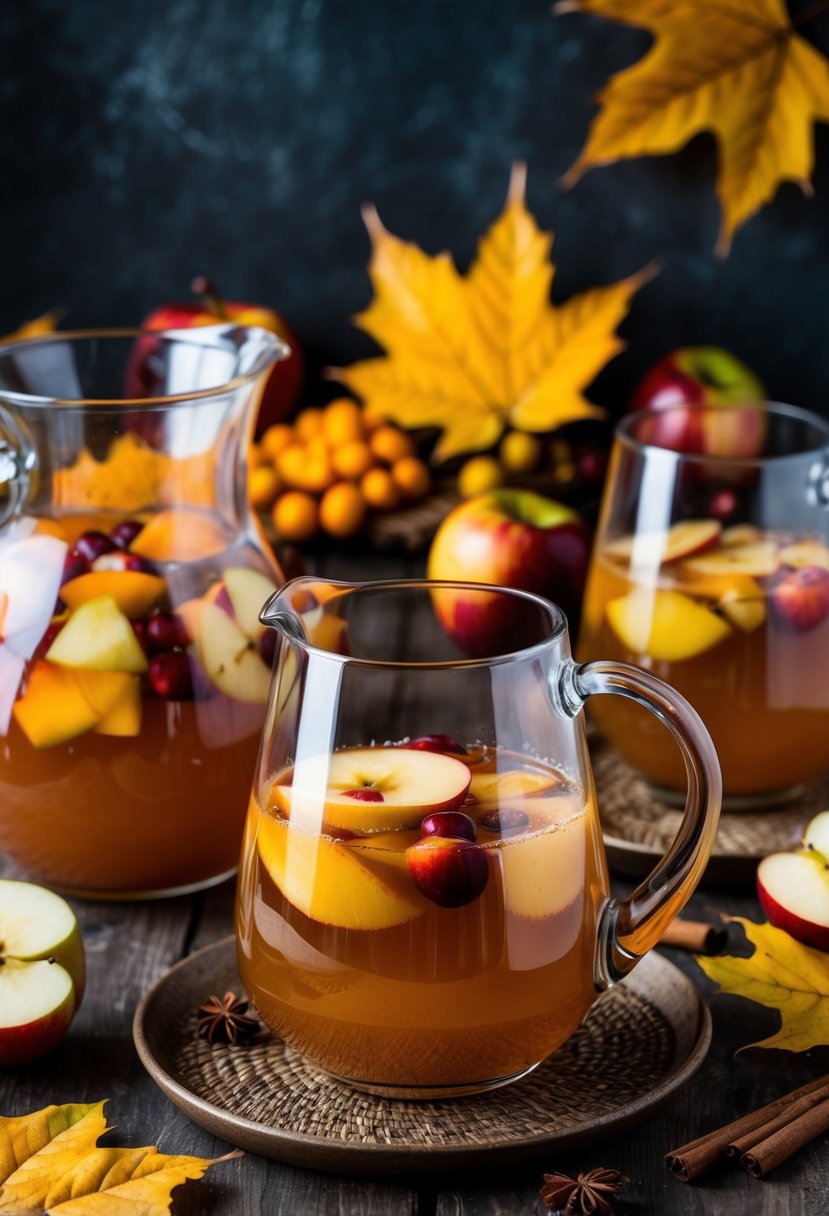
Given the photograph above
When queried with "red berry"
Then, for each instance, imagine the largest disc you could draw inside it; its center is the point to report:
(170, 677)
(120, 561)
(437, 743)
(93, 544)
(124, 534)
(267, 647)
(74, 565)
(723, 503)
(447, 871)
(505, 819)
(166, 631)
(139, 628)
(449, 823)
(365, 794)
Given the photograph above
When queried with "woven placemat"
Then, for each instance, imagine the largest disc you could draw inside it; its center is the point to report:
(639, 1042)
(638, 827)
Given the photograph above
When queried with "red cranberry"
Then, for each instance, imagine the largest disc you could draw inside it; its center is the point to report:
(449, 823)
(120, 561)
(93, 544)
(124, 534)
(437, 743)
(505, 819)
(447, 871)
(267, 647)
(166, 631)
(365, 795)
(170, 677)
(139, 628)
(74, 565)
(723, 503)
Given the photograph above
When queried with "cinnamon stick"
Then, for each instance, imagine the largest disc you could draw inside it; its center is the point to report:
(696, 936)
(785, 1118)
(777, 1148)
(697, 1156)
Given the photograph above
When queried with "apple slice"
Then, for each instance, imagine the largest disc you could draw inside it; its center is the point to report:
(794, 894)
(42, 971)
(98, 636)
(805, 553)
(229, 657)
(746, 612)
(740, 598)
(680, 541)
(758, 560)
(372, 789)
(249, 591)
(544, 866)
(134, 592)
(816, 836)
(740, 534)
(513, 783)
(330, 883)
(665, 625)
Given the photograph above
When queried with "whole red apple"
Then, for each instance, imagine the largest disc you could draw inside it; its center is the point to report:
(512, 538)
(702, 376)
(285, 380)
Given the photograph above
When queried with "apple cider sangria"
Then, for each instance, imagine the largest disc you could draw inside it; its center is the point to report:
(418, 916)
(737, 619)
(134, 675)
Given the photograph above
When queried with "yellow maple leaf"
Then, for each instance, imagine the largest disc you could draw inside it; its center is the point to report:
(781, 974)
(47, 323)
(56, 1167)
(733, 67)
(471, 355)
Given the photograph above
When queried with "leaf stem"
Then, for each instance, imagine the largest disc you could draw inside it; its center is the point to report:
(814, 10)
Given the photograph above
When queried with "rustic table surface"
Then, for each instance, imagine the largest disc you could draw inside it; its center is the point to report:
(130, 945)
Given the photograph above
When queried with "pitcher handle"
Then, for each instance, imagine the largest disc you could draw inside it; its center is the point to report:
(17, 460)
(629, 927)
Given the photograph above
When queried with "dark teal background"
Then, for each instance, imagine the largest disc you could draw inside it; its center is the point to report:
(145, 142)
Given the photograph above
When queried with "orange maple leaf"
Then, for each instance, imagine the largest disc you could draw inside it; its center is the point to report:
(733, 67)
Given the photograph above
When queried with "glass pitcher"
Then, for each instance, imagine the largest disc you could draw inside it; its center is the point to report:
(133, 668)
(423, 905)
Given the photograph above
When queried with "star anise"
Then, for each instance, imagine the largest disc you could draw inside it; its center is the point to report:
(222, 1019)
(589, 1194)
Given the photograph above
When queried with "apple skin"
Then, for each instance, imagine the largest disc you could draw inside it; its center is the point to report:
(511, 538)
(702, 376)
(25, 1044)
(284, 383)
(802, 867)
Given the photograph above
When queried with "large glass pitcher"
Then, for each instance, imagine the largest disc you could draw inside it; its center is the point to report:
(423, 905)
(133, 669)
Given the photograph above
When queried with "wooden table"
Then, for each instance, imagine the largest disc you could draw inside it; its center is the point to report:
(130, 945)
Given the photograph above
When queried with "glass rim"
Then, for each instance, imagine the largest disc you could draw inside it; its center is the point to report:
(558, 621)
(13, 346)
(623, 432)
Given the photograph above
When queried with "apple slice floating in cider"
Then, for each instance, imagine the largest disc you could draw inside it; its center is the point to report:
(805, 553)
(513, 783)
(758, 560)
(100, 638)
(681, 540)
(666, 625)
(327, 788)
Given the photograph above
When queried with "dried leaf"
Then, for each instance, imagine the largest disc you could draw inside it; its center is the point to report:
(53, 1165)
(47, 323)
(781, 974)
(736, 68)
(471, 355)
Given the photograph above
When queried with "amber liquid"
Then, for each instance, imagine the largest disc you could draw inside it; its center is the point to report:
(158, 812)
(762, 693)
(453, 999)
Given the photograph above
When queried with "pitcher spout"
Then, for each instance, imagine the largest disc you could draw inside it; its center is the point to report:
(301, 607)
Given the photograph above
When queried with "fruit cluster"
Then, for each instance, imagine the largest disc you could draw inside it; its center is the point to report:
(520, 454)
(330, 468)
(96, 630)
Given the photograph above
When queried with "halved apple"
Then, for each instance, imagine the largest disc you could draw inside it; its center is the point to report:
(134, 592)
(229, 656)
(758, 560)
(42, 971)
(666, 625)
(679, 541)
(372, 789)
(794, 894)
(330, 883)
(98, 636)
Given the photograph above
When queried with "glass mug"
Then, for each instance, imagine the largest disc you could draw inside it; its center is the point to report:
(423, 905)
(134, 671)
(712, 572)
